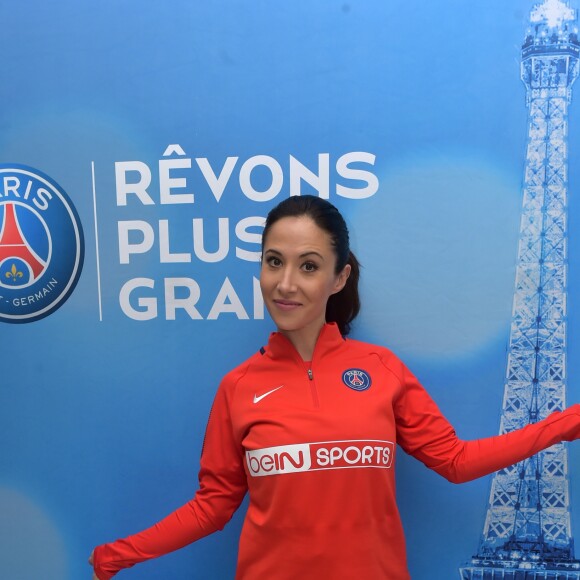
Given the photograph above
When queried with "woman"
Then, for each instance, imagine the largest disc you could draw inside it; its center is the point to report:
(308, 425)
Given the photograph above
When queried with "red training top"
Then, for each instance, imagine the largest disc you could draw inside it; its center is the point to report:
(314, 444)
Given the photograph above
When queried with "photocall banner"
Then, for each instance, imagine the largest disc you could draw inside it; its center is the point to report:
(141, 147)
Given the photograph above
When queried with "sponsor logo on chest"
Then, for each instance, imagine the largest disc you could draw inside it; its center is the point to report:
(320, 456)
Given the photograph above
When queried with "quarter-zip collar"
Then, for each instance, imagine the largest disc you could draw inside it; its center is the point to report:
(280, 348)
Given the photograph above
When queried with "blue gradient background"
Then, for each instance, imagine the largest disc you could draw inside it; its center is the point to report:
(101, 423)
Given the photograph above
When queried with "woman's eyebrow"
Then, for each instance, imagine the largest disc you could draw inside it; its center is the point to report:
(303, 255)
(311, 253)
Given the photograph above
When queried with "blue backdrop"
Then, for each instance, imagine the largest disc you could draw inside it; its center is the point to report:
(174, 127)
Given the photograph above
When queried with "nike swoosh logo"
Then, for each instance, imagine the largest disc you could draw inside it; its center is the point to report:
(258, 399)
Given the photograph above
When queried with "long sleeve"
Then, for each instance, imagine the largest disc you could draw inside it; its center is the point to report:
(222, 487)
(423, 432)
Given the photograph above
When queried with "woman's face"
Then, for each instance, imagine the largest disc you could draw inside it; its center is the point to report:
(298, 275)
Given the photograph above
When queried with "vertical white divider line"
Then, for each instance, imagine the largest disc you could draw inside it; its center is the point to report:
(97, 242)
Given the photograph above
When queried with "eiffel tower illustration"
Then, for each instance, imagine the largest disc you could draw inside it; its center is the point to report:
(527, 532)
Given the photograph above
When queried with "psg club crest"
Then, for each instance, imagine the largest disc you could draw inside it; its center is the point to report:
(41, 244)
(356, 379)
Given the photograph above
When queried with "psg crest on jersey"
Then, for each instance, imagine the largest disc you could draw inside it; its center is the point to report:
(41, 244)
(356, 379)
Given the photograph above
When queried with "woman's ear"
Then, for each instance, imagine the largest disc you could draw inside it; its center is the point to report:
(341, 279)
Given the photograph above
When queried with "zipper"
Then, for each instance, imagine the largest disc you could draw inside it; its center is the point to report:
(313, 390)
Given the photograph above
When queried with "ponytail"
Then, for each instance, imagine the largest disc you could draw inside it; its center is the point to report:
(343, 307)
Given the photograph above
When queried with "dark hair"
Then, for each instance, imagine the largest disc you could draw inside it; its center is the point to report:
(343, 306)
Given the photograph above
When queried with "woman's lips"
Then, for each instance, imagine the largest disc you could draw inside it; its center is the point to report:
(286, 304)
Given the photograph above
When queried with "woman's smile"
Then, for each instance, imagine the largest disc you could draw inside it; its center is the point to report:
(286, 305)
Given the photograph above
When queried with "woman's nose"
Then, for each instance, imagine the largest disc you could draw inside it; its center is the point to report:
(287, 280)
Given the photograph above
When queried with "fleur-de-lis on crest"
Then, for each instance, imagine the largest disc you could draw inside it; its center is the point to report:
(14, 273)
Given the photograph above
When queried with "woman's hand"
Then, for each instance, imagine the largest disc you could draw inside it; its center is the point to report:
(95, 577)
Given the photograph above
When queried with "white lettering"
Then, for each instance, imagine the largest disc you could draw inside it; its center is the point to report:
(320, 181)
(41, 201)
(234, 305)
(167, 183)
(165, 255)
(126, 248)
(28, 189)
(344, 170)
(11, 185)
(367, 454)
(277, 178)
(138, 237)
(171, 149)
(187, 303)
(139, 188)
(354, 458)
(217, 184)
(283, 459)
(148, 305)
(387, 455)
(343, 454)
(223, 241)
(260, 177)
(244, 235)
(324, 455)
(25, 300)
(183, 293)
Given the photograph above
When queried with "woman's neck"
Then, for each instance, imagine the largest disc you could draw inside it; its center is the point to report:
(303, 340)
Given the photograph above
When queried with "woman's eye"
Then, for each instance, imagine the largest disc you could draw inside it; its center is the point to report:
(273, 261)
(310, 267)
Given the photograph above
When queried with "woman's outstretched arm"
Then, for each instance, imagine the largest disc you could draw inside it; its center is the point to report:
(222, 486)
(423, 431)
